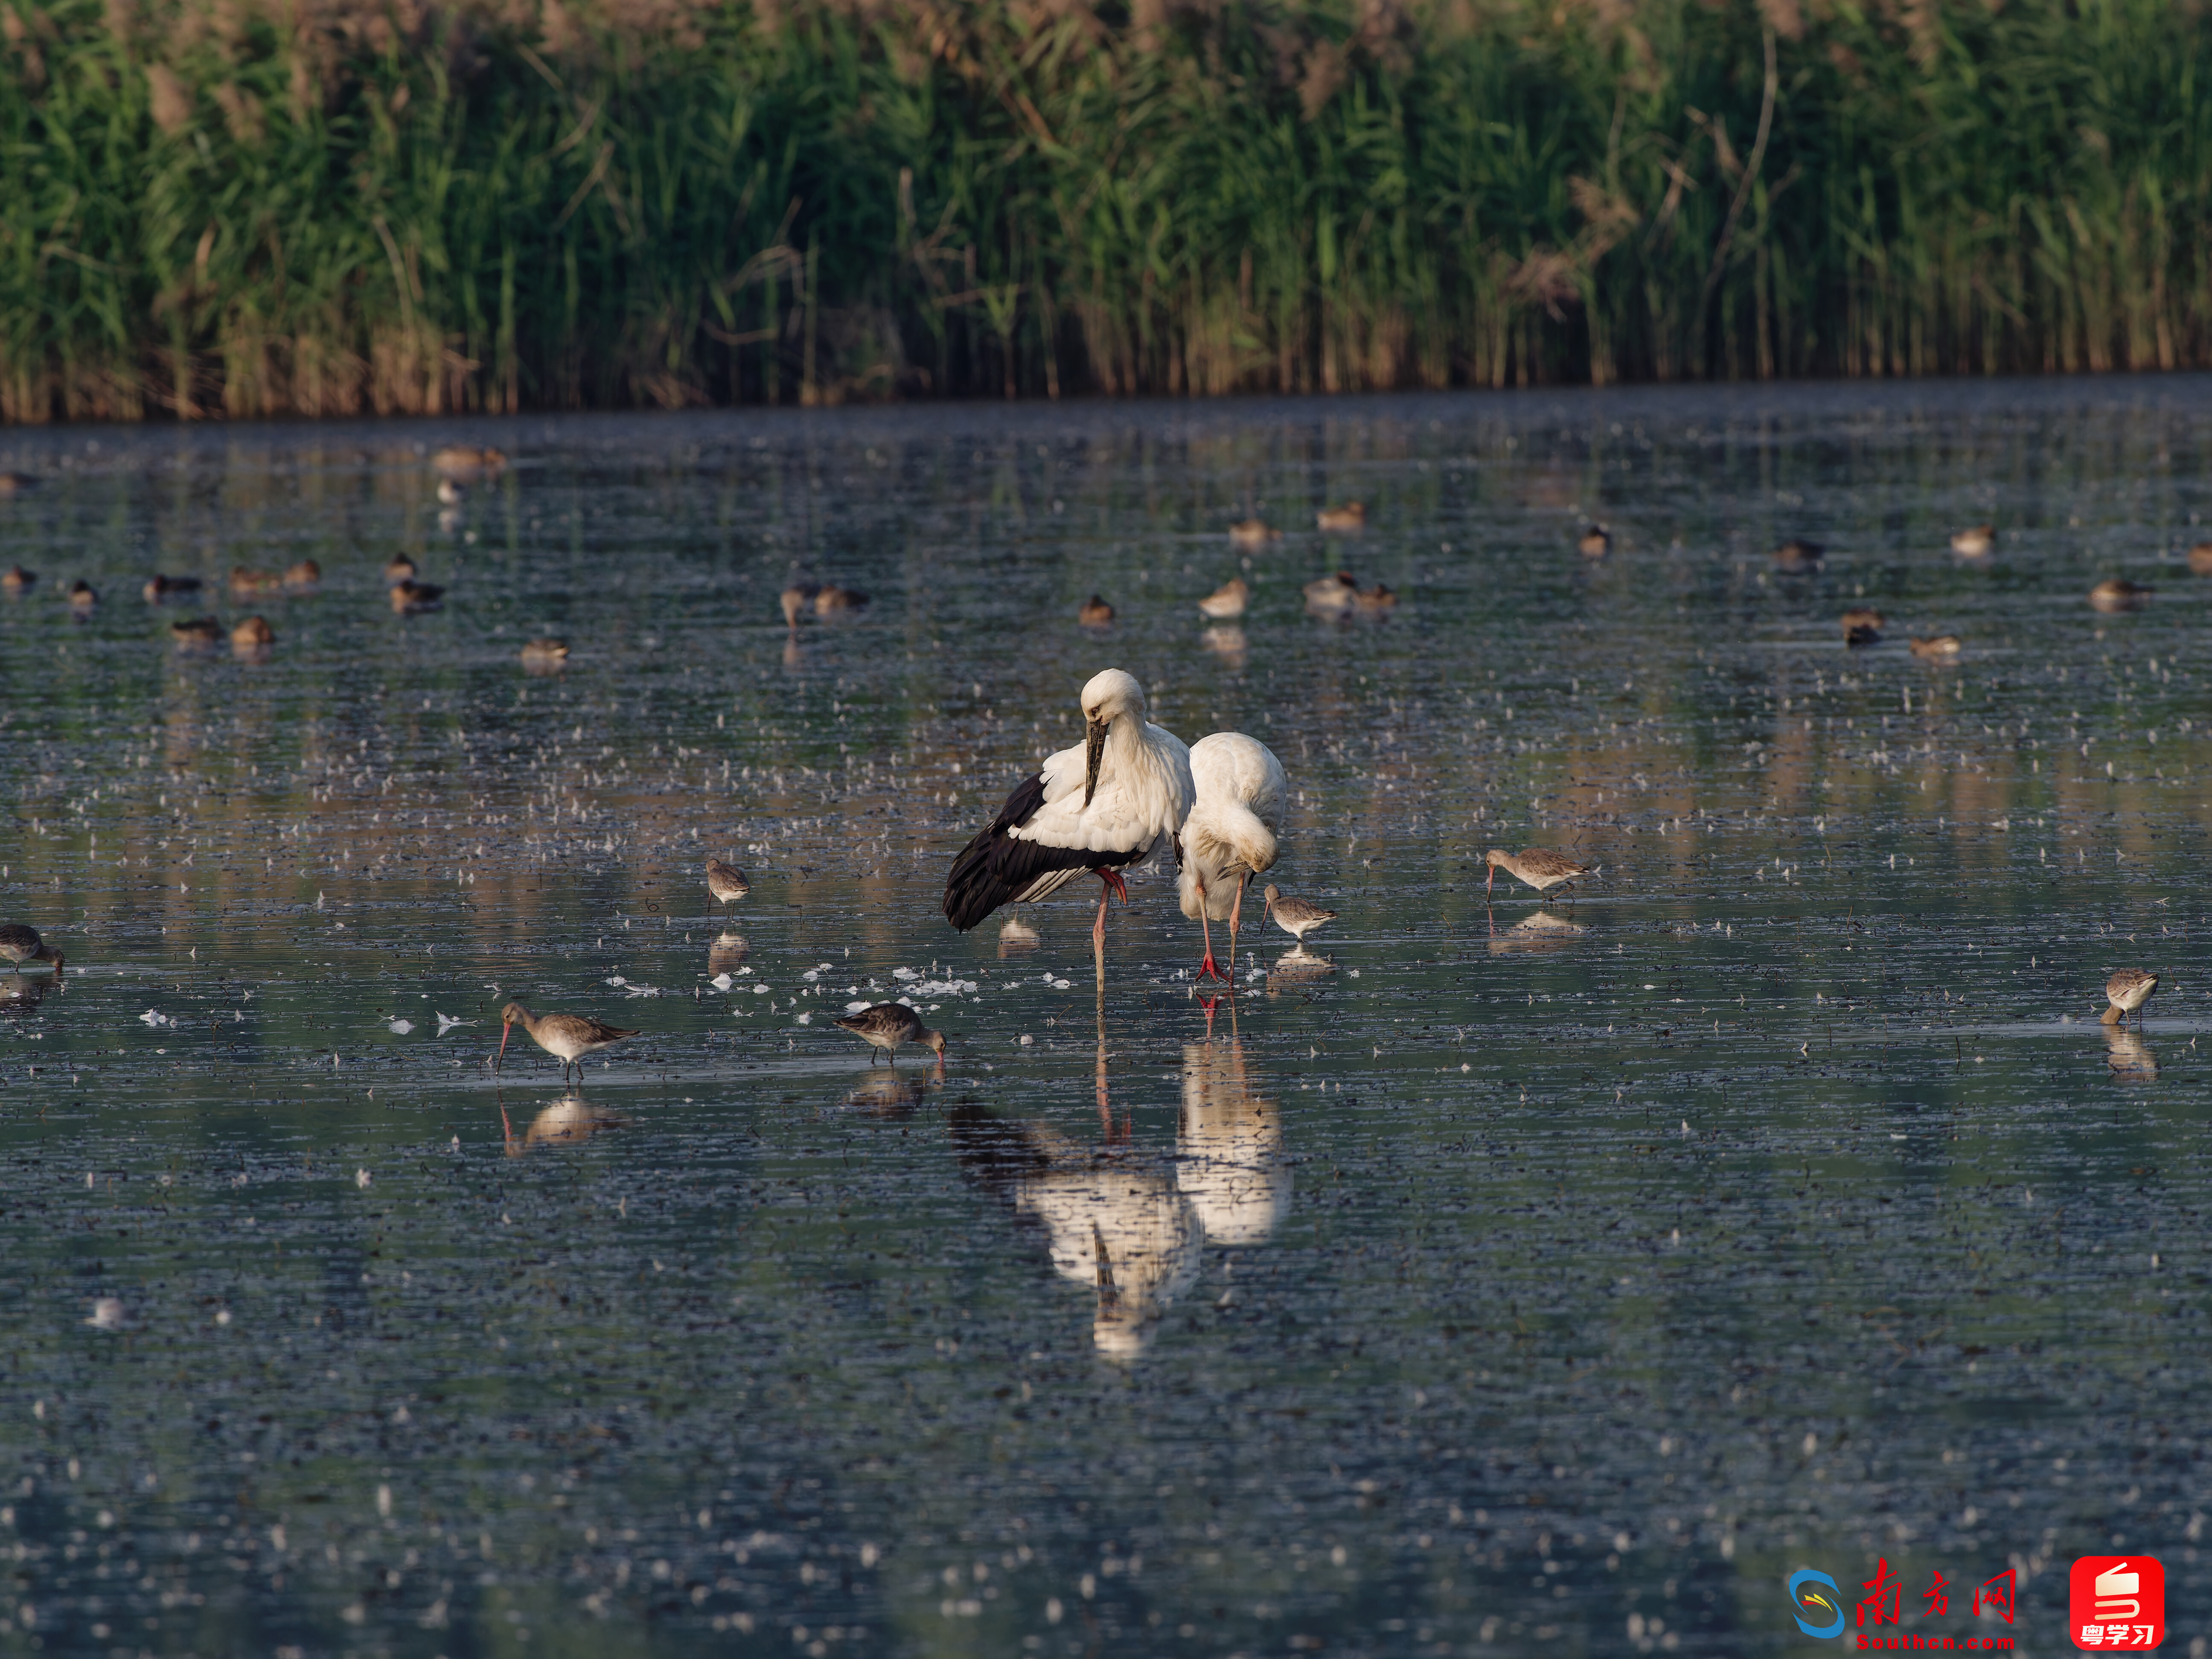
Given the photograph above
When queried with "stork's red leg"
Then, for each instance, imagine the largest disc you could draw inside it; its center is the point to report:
(1236, 921)
(1208, 968)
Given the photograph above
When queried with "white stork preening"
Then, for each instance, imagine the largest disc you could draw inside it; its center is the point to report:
(1230, 835)
(1105, 805)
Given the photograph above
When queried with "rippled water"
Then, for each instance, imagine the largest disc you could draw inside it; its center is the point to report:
(1494, 1278)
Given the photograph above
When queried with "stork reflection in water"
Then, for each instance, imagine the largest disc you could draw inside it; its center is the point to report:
(1113, 1221)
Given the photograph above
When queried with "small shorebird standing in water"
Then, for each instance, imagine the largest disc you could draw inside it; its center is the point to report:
(1596, 542)
(566, 1037)
(1798, 555)
(1941, 648)
(160, 587)
(465, 461)
(2200, 559)
(1095, 612)
(545, 656)
(252, 635)
(21, 945)
(1863, 625)
(1976, 541)
(2127, 991)
(1252, 534)
(198, 632)
(726, 881)
(1227, 601)
(1538, 867)
(2119, 593)
(401, 568)
(16, 579)
(1331, 596)
(411, 597)
(1350, 518)
(83, 597)
(888, 1025)
(1294, 915)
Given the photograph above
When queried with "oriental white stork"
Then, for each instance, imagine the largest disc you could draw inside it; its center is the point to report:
(1229, 835)
(1104, 805)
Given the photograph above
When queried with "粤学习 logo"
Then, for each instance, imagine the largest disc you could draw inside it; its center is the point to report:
(1818, 1602)
(2116, 1602)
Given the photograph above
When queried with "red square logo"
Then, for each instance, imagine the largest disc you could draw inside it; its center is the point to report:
(2116, 1602)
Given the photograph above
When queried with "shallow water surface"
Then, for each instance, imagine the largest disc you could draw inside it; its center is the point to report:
(1487, 1277)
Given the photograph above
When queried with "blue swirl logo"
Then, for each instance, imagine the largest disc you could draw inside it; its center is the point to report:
(1816, 1594)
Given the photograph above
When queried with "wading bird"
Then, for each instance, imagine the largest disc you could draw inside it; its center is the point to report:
(1797, 554)
(1294, 915)
(725, 883)
(1252, 534)
(1596, 542)
(566, 1037)
(1104, 805)
(1976, 541)
(411, 597)
(1229, 835)
(160, 587)
(2127, 991)
(1350, 518)
(2119, 593)
(1095, 612)
(1538, 867)
(16, 579)
(465, 461)
(545, 656)
(890, 1024)
(21, 945)
(1863, 625)
(1227, 601)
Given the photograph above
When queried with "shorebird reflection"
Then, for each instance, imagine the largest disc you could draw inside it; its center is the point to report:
(888, 1095)
(1231, 1142)
(727, 954)
(1539, 931)
(1017, 938)
(569, 1121)
(2129, 1056)
(1295, 967)
(22, 992)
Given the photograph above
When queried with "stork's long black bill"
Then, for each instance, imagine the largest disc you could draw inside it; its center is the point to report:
(1094, 745)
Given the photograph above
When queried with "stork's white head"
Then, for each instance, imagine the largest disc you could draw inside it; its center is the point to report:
(1109, 695)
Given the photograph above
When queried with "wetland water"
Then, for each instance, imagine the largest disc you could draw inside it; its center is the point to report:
(1508, 1280)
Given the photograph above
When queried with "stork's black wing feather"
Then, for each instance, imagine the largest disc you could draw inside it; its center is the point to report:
(995, 867)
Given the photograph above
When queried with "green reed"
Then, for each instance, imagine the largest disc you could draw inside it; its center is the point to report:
(249, 207)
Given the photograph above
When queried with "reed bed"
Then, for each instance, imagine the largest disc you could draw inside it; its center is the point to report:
(326, 207)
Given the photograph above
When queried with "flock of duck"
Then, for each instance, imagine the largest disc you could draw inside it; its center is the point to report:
(1863, 625)
(252, 637)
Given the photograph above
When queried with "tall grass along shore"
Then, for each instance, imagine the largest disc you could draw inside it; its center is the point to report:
(323, 207)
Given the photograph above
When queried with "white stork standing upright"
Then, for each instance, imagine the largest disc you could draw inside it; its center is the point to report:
(1104, 805)
(1229, 835)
